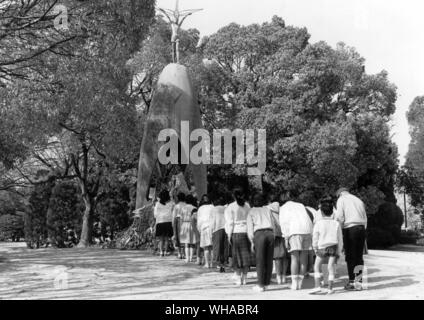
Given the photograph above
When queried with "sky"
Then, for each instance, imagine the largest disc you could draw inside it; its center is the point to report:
(387, 33)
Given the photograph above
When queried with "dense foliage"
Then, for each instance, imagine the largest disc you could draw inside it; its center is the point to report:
(384, 227)
(412, 175)
(326, 118)
(64, 214)
(11, 227)
(81, 106)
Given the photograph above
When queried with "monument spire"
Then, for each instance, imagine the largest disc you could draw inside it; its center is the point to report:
(176, 18)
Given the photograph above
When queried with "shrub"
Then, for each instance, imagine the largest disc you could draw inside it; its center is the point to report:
(113, 209)
(378, 238)
(384, 228)
(64, 214)
(409, 237)
(11, 227)
(420, 242)
(36, 216)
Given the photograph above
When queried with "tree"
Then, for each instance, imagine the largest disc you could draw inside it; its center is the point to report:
(113, 206)
(27, 32)
(11, 227)
(35, 221)
(85, 102)
(412, 176)
(64, 213)
(326, 119)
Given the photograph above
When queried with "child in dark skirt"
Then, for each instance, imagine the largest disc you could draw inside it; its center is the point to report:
(327, 241)
(236, 229)
(219, 237)
(163, 215)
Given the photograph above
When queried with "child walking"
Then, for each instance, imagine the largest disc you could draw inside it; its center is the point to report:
(236, 229)
(204, 221)
(176, 223)
(327, 241)
(280, 251)
(219, 237)
(163, 215)
(297, 227)
(260, 229)
(188, 236)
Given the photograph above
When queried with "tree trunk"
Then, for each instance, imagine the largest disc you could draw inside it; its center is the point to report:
(87, 223)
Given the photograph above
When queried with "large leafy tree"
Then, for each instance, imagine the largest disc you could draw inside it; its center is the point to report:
(412, 175)
(326, 119)
(85, 103)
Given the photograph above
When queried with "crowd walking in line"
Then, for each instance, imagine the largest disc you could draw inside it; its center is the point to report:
(269, 233)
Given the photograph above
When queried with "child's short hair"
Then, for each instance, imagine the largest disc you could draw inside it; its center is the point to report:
(204, 200)
(258, 200)
(164, 196)
(190, 199)
(239, 196)
(181, 197)
(218, 200)
(327, 205)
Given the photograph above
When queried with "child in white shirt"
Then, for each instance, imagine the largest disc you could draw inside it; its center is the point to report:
(327, 241)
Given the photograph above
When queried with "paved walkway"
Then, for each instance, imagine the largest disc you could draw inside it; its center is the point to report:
(113, 274)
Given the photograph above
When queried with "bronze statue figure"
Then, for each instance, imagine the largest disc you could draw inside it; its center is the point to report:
(176, 18)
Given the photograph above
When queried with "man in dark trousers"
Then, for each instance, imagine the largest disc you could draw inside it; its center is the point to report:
(353, 219)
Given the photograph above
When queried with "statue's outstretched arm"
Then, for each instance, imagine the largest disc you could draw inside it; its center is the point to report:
(164, 12)
(185, 17)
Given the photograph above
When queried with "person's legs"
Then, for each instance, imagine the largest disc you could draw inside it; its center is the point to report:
(278, 263)
(285, 264)
(238, 272)
(161, 251)
(317, 275)
(349, 246)
(187, 252)
(166, 245)
(331, 272)
(208, 257)
(310, 266)
(317, 272)
(294, 268)
(245, 270)
(303, 259)
(223, 251)
(260, 251)
(192, 248)
(358, 238)
(269, 248)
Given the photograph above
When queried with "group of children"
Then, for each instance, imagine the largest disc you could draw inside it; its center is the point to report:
(263, 233)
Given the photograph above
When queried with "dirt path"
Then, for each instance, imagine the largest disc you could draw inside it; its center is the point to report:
(113, 274)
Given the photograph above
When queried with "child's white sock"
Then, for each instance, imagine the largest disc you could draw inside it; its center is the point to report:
(294, 282)
(300, 282)
(279, 281)
(318, 277)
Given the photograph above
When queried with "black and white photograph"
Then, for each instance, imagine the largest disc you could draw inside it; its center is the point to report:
(212, 150)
